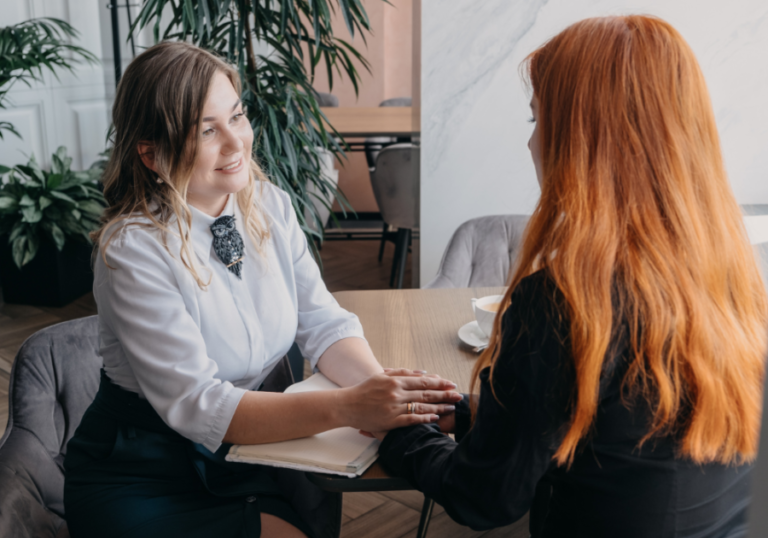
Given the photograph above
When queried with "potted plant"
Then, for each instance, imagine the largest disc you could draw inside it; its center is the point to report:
(45, 219)
(29, 47)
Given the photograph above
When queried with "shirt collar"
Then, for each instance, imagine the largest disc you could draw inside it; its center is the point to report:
(201, 234)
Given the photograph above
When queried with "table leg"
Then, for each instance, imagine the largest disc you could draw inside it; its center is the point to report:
(426, 515)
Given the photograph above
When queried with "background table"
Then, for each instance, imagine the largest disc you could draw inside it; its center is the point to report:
(371, 121)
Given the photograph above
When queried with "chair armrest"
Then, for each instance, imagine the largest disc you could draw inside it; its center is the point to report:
(31, 489)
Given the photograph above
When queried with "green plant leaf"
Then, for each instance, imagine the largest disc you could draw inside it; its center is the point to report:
(61, 196)
(4, 170)
(57, 167)
(76, 214)
(58, 236)
(92, 207)
(18, 248)
(31, 214)
(8, 204)
(54, 180)
(26, 200)
(33, 243)
(44, 202)
(16, 231)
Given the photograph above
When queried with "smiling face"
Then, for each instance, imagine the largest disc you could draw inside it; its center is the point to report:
(534, 143)
(223, 157)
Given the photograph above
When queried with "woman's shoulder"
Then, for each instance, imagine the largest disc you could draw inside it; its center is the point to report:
(133, 233)
(537, 314)
(537, 294)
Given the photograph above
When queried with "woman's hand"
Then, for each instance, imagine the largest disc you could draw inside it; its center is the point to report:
(446, 422)
(380, 403)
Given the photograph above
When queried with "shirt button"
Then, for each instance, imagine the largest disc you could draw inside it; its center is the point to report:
(250, 499)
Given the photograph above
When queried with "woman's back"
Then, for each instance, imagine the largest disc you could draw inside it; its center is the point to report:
(616, 486)
(503, 466)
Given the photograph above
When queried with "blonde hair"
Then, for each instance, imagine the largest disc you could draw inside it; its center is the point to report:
(160, 101)
(635, 201)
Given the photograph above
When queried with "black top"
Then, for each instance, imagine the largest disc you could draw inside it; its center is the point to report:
(503, 466)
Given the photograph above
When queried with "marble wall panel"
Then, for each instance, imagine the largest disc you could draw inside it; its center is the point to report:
(474, 107)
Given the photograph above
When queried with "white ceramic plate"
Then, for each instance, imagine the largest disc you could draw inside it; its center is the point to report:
(471, 335)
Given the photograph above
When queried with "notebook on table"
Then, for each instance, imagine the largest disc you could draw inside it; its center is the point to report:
(342, 451)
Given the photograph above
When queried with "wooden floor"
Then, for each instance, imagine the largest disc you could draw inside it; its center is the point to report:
(348, 265)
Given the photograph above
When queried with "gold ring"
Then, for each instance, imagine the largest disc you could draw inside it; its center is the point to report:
(409, 408)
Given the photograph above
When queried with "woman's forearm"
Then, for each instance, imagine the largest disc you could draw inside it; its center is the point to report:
(349, 361)
(267, 417)
(381, 402)
(263, 417)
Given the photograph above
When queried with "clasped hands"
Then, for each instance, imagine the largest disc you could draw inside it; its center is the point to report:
(380, 403)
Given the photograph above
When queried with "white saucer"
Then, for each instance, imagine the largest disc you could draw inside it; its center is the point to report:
(471, 335)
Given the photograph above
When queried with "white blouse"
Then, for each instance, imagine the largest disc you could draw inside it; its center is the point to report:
(193, 353)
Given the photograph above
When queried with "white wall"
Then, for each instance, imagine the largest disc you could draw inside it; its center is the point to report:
(474, 108)
(72, 111)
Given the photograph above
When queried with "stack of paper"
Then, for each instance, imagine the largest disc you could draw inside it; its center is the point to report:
(342, 451)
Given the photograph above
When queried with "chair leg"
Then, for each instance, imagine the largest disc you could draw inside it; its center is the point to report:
(426, 514)
(396, 259)
(383, 240)
(403, 241)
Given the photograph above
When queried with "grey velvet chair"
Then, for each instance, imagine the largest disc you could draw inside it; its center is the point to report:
(54, 378)
(373, 145)
(327, 99)
(481, 252)
(395, 182)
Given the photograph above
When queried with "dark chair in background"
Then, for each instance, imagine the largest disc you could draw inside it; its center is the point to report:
(326, 99)
(54, 378)
(373, 145)
(395, 182)
(481, 252)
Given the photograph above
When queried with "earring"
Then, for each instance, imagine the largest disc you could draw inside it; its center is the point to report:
(159, 180)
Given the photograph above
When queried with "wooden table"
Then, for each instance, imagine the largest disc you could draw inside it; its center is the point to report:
(358, 122)
(416, 329)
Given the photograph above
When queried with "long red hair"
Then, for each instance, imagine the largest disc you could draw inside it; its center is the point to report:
(635, 198)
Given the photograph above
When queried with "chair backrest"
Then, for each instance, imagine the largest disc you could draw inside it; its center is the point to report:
(395, 182)
(326, 99)
(481, 252)
(374, 144)
(54, 379)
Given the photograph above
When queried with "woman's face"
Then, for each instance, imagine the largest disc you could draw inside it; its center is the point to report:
(224, 149)
(534, 143)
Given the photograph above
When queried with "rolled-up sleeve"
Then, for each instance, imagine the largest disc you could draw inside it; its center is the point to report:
(322, 321)
(140, 302)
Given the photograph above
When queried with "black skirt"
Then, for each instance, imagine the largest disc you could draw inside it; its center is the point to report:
(129, 474)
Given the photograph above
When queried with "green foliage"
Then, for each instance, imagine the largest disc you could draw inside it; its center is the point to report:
(59, 204)
(290, 136)
(29, 47)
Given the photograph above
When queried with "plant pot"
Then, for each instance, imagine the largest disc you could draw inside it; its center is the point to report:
(332, 175)
(52, 278)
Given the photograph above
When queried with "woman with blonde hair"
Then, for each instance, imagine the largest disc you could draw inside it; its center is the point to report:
(203, 281)
(620, 395)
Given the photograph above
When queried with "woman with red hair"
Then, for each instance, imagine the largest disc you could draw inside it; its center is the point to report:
(620, 395)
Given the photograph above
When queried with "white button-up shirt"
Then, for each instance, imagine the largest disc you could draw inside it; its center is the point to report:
(193, 353)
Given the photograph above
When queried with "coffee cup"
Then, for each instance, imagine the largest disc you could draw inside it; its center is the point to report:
(485, 312)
